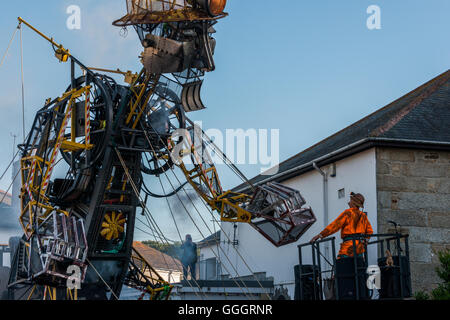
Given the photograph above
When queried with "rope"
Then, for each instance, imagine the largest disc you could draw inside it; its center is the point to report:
(237, 251)
(171, 212)
(148, 233)
(160, 196)
(216, 254)
(9, 165)
(146, 225)
(26, 291)
(228, 238)
(170, 209)
(213, 216)
(193, 221)
(152, 221)
(152, 230)
(209, 209)
(6, 192)
(162, 254)
(133, 185)
(15, 177)
(227, 161)
(161, 236)
(112, 291)
(9, 46)
(23, 82)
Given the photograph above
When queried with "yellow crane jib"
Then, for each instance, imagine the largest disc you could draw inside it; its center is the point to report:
(61, 53)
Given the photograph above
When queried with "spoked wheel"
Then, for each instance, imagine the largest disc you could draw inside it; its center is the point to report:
(100, 116)
(164, 115)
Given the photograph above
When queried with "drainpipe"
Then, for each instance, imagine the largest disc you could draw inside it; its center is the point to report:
(325, 201)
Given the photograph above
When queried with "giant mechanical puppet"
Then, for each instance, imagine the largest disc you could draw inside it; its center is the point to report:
(111, 136)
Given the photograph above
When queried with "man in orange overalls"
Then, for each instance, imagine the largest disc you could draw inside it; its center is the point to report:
(351, 221)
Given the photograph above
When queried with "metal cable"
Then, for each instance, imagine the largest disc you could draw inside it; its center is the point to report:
(162, 254)
(193, 221)
(9, 165)
(26, 291)
(9, 46)
(144, 206)
(237, 251)
(23, 82)
(217, 256)
(228, 238)
(112, 291)
(170, 209)
(152, 230)
(227, 161)
(6, 192)
(214, 218)
(209, 209)
(162, 237)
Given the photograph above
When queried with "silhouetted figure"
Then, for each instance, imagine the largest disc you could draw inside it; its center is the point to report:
(189, 258)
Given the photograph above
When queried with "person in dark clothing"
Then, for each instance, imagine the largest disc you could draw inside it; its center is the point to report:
(189, 258)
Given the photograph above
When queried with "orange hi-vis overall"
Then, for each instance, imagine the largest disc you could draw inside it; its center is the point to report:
(351, 221)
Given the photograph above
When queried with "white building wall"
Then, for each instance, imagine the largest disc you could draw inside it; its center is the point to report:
(171, 276)
(356, 173)
(208, 252)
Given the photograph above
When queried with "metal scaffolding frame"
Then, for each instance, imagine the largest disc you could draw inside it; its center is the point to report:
(382, 241)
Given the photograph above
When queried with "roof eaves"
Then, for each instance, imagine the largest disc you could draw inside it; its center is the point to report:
(429, 88)
(439, 80)
(347, 151)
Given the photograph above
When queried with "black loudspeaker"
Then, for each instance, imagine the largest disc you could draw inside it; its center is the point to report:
(306, 283)
(346, 279)
(390, 278)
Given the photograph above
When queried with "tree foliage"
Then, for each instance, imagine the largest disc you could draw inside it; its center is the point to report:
(173, 250)
(442, 292)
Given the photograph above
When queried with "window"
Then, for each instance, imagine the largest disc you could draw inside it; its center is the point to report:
(341, 193)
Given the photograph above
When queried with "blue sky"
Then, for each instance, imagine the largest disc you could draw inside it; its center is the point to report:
(307, 68)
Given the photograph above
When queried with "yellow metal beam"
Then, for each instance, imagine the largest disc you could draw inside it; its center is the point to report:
(68, 145)
(129, 76)
(61, 53)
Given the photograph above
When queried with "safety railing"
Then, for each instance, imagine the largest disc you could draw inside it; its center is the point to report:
(393, 268)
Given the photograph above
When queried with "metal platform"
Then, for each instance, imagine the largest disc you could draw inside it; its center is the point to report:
(323, 279)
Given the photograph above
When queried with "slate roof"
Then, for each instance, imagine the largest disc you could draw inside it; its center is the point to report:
(6, 199)
(420, 118)
(211, 240)
(157, 259)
